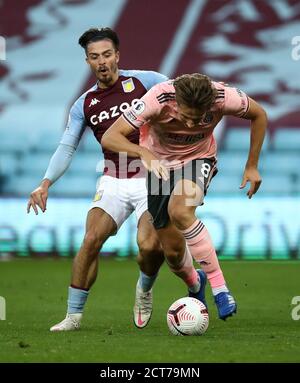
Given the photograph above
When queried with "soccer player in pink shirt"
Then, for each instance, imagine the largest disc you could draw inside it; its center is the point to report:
(179, 151)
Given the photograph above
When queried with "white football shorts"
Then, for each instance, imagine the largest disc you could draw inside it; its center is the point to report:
(119, 197)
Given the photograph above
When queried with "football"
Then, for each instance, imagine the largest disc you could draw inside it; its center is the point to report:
(187, 316)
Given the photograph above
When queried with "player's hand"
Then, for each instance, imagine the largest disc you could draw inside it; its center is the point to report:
(251, 175)
(38, 198)
(154, 165)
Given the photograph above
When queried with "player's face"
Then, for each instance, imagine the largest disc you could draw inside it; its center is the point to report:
(190, 117)
(103, 59)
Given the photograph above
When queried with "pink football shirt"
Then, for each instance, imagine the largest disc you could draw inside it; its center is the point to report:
(167, 137)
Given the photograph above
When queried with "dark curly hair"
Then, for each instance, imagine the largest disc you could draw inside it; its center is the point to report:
(97, 34)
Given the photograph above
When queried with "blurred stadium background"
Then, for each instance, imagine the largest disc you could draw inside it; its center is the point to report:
(251, 44)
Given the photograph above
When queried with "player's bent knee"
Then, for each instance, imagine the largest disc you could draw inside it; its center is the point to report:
(92, 241)
(179, 216)
(174, 257)
(149, 246)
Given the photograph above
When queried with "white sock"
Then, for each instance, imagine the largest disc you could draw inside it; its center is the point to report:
(220, 289)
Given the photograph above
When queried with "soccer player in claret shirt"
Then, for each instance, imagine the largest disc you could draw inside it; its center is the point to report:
(180, 155)
(122, 188)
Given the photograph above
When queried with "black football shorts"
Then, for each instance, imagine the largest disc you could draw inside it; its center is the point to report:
(200, 171)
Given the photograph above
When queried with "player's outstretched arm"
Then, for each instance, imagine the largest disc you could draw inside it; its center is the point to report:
(61, 159)
(39, 196)
(258, 118)
(59, 163)
(115, 139)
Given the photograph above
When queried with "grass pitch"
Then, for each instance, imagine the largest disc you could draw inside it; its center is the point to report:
(36, 291)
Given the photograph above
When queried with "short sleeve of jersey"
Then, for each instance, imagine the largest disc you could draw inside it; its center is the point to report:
(236, 102)
(145, 110)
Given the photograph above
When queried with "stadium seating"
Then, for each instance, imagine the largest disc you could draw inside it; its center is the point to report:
(277, 162)
(86, 163)
(238, 139)
(21, 185)
(71, 185)
(21, 170)
(23, 164)
(9, 163)
(225, 185)
(287, 139)
(278, 185)
(47, 141)
(232, 163)
(35, 163)
(14, 143)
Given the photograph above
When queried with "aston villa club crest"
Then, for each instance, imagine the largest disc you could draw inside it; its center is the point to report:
(128, 85)
(98, 195)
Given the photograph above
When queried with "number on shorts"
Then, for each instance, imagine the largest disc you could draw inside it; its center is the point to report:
(205, 170)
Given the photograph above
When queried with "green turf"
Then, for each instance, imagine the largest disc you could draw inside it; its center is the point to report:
(36, 292)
